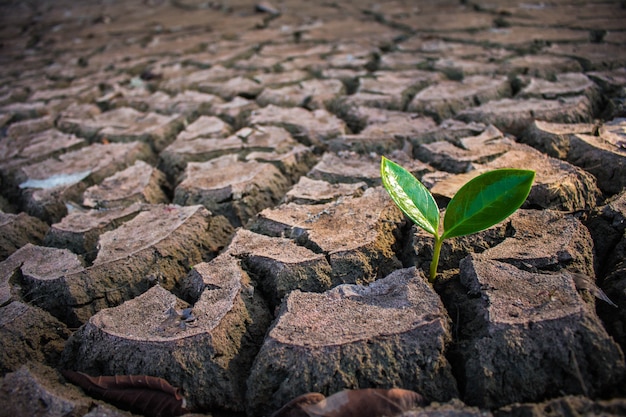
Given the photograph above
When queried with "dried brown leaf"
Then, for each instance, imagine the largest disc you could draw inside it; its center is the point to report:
(370, 402)
(294, 407)
(148, 395)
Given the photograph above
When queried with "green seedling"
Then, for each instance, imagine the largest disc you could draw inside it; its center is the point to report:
(482, 202)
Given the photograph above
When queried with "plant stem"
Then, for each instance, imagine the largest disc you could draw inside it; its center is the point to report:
(435, 262)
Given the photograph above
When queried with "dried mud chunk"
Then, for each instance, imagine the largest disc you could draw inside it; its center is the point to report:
(309, 191)
(469, 151)
(29, 333)
(217, 338)
(126, 125)
(514, 115)
(204, 127)
(19, 151)
(381, 131)
(139, 183)
(158, 245)
(34, 390)
(358, 243)
(390, 90)
(558, 184)
(79, 231)
(48, 185)
(237, 190)
(391, 333)
(16, 230)
(351, 168)
(447, 98)
(604, 155)
(205, 138)
(312, 94)
(310, 128)
(545, 240)
(279, 265)
(528, 336)
(37, 274)
(543, 66)
(554, 138)
(236, 86)
(568, 84)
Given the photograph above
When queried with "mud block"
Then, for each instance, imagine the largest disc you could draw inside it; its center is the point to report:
(358, 243)
(236, 86)
(382, 131)
(514, 115)
(30, 127)
(351, 168)
(16, 230)
(126, 125)
(563, 85)
(190, 104)
(79, 231)
(527, 336)
(275, 145)
(390, 90)
(157, 246)
(558, 185)
(35, 390)
(139, 183)
(199, 145)
(29, 333)
(311, 94)
(238, 190)
(554, 138)
(545, 240)
(604, 155)
(462, 157)
(215, 339)
(447, 98)
(309, 128)
(308, 191)
(279, 265)
(391, 333)
(541, 66)
(36, 274)
(19, 151)
(204, 127)
(49, 184)
(236, 111)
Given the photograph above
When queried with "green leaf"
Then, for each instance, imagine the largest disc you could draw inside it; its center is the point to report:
(486, 200)
(410, 195)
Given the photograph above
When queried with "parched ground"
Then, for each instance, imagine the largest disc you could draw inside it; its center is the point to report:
(191, 190)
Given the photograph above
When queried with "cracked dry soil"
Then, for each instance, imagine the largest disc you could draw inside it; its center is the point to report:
(190, 190)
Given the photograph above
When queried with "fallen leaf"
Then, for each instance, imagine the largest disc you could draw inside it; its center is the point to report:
(369, 402)
(294, 407)
(148, 395)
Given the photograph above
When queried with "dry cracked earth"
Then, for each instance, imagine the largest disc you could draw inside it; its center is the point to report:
(191, 190)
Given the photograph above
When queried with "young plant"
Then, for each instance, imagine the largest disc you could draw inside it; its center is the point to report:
(482, 202)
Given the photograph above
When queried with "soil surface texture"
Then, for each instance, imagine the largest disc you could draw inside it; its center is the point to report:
(192, 218)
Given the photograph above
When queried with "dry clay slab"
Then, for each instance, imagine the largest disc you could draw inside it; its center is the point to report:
(558, 185)
(357, 235)
(528, 336)
(206, 348)
(391, 333)
(158, 245)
